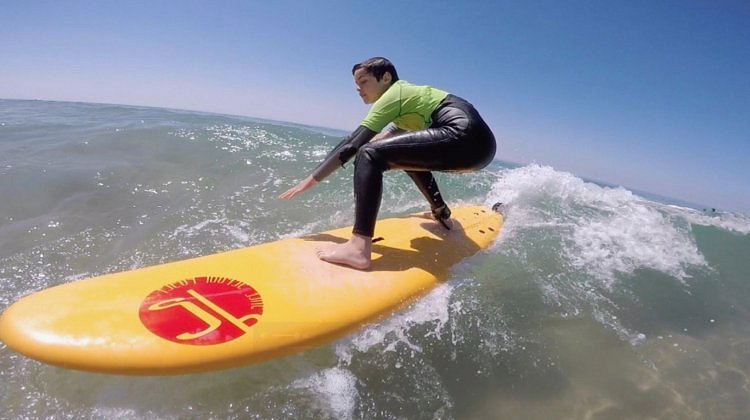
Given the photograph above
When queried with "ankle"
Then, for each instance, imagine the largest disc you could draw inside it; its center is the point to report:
(441, 213)
(361, 242)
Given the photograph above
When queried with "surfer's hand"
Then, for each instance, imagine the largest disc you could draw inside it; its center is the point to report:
(298, 189)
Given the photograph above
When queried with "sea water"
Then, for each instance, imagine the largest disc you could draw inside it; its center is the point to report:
(595, 302)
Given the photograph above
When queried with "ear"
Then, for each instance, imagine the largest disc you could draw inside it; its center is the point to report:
(387, 77)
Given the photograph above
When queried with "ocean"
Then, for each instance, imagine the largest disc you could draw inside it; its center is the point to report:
(595, 302)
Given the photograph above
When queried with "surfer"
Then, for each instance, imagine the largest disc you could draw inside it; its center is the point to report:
(414, 128)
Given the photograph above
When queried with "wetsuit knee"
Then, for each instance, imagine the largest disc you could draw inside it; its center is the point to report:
(369, 156)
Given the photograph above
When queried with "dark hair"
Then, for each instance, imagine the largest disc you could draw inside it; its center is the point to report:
(377, 66)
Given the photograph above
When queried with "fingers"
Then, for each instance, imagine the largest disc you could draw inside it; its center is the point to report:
(290, 193)
(298, 189)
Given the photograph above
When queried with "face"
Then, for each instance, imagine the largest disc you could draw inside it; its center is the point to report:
(369, 88)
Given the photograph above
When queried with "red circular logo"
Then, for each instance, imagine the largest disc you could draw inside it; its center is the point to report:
(202, 310)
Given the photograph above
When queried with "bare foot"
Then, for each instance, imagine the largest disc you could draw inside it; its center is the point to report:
(354, 253)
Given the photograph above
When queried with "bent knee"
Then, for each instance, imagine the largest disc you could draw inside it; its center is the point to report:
(369, 155)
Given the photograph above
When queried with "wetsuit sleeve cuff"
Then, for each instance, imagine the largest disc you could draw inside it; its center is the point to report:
(343, 152)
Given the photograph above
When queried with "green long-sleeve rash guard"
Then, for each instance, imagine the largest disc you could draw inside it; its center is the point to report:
(408, 106)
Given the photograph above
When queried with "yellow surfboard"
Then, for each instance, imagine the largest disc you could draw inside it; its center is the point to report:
(242, 306)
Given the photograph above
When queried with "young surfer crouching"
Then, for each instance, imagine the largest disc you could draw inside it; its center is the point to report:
(431, 130)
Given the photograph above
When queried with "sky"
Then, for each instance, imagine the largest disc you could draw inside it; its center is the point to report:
(649, 94)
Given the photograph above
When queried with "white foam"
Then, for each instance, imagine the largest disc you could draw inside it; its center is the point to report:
(577, 239)
(392, 333)
(336, 389)
(634, 236)
(731, 222)
(604, 231)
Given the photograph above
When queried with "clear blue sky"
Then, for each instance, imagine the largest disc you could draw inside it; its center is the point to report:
(650, 94)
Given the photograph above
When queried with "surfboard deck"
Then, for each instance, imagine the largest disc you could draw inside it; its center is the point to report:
(239, 307)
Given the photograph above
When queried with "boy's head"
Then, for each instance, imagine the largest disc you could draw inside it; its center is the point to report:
(377, 66)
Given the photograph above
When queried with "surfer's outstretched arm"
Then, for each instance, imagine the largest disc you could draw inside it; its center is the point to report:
(340, 154)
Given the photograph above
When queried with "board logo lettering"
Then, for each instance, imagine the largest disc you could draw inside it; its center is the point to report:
(202, 310)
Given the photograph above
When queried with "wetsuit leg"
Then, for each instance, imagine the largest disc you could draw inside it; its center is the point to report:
(428, 187)
(458, 140)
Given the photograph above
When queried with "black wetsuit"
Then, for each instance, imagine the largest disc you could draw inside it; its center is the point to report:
(457, 140)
